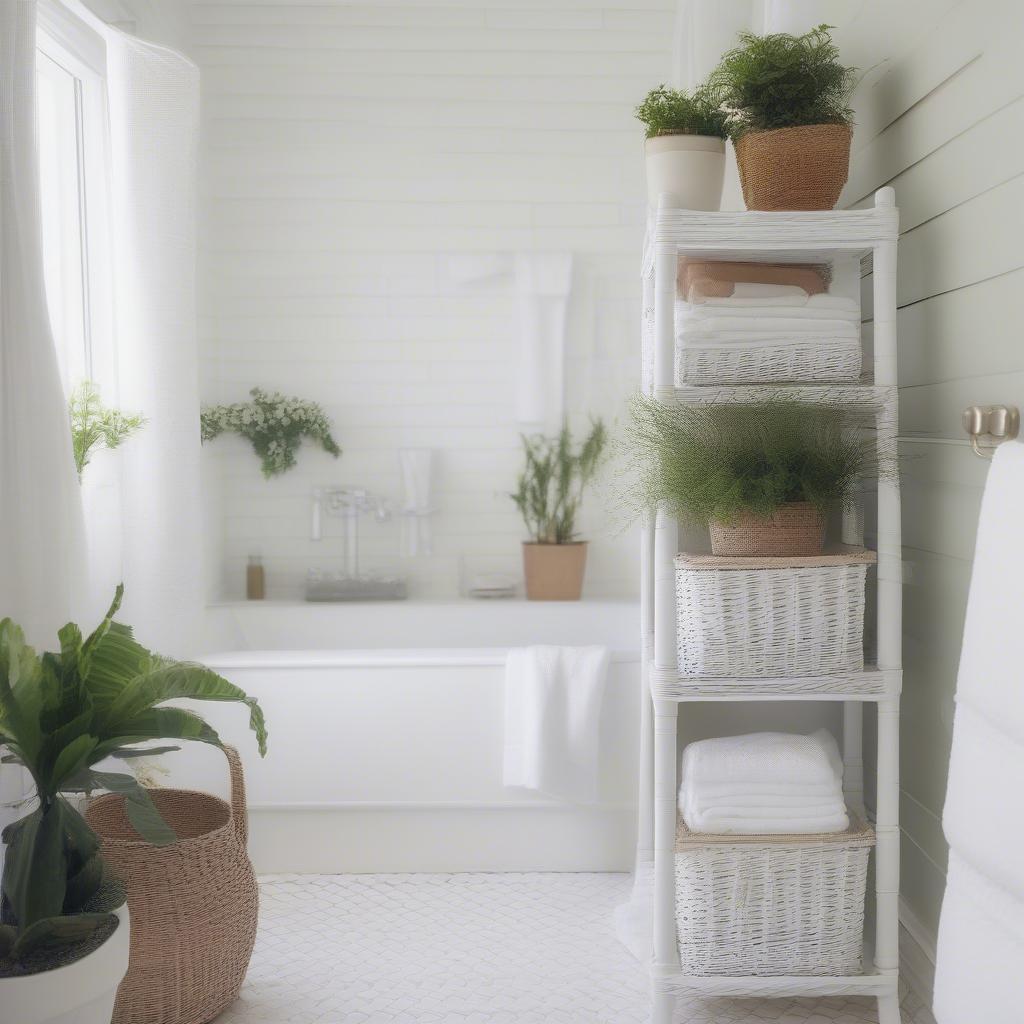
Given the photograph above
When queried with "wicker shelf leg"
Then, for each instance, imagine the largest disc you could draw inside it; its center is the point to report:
(665, 1007)
(888, 1009)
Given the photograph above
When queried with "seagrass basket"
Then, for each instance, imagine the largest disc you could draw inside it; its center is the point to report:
(193, 904)
(802, 168)
(744, 617)
(773, 904)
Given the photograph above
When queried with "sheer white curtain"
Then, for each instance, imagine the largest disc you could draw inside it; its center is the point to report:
(42, 564)
(154, 117)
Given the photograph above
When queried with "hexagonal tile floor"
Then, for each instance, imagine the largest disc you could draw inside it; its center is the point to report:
(471, 949)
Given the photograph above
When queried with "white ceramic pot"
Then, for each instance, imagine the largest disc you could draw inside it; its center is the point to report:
(690, 167)
(80, 993)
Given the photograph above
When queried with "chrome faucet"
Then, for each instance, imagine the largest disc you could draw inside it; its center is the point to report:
(347, 503)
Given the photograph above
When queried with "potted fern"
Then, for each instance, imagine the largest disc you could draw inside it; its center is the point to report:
(548, 495)
(787, 101)
(761, 477)
(64, 930)
(685, 146)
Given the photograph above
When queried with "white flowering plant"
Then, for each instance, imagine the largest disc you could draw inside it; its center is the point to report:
(275, 425)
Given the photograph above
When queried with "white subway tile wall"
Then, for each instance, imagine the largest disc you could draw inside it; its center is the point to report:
(362, 164)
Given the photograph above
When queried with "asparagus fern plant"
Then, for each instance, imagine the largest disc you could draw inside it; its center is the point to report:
(61, 714)
(550, 487)
(95, 425)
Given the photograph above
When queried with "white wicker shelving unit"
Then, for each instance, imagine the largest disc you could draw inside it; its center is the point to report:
(797, 237)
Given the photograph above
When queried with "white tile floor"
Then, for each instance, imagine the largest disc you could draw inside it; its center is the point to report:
(471, 949)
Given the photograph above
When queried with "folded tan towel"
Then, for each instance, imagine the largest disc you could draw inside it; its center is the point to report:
(702, 279)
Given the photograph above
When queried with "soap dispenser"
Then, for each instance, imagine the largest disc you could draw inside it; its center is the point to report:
(255, 580)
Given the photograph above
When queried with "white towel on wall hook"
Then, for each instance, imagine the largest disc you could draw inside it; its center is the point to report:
(981, 930)
(543, 283)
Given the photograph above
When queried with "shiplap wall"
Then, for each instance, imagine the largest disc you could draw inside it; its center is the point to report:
(942, 122)
(360, 159)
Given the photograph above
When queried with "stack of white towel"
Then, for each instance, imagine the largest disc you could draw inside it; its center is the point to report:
(763, 315)
(766, 783)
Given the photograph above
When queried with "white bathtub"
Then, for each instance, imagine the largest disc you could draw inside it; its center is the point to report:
(386, 736)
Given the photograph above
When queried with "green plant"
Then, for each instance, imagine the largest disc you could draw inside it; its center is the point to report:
(667, 111)
(783, 81)
(274, 424)
(94, 425)
(550, 487)
(717, 462)
(60, 715)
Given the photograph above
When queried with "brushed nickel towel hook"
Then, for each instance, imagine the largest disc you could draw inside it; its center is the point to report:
(989, 426)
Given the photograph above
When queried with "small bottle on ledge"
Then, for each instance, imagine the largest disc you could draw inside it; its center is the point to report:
(255, 580)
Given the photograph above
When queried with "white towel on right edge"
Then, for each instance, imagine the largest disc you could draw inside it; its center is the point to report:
(979, 979)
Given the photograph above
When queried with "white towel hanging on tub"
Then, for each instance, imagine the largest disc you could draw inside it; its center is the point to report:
(553, 701)
(978, 976)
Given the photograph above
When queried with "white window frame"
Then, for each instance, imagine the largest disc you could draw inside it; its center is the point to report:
(69, 41)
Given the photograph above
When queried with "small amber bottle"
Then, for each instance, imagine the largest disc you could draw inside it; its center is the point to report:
(255, 580)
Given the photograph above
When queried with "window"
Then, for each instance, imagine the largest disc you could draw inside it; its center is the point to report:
(73, 182)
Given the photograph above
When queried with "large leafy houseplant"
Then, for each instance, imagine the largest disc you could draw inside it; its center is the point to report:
(787, 101)
(731, 465)
(61, 715)
(548, 494)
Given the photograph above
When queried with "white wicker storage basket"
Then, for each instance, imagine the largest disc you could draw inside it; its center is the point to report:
(802, 362)
(751, 617)
(771, 905)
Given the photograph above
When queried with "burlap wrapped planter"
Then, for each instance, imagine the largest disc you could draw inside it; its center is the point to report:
(193, 904)
(796, 528)
(801, 168)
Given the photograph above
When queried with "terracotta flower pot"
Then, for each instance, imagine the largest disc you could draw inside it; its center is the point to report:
(801, 168)
(554, 572)
(796, 528)
(689, 167)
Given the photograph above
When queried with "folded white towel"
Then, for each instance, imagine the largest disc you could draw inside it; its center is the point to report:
(978, 979)
(758, 327)
(840, 309)
(553, 701)
(777, 824)
(764, 757)
(764, 783)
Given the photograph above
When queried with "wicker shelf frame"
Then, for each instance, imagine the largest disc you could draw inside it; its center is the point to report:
(774, 237)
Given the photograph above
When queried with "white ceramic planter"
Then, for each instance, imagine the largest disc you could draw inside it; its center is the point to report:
(690, 167)
(80, 993)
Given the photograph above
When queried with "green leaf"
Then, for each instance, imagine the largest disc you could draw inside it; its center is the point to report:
(113, 661)
(18, 666)
(35, 868)
(8, 936)
(72, 759)
(171, 681)
(160, 723)
(127, 753)
(58, 931)
(82, 842)
(139, 807)
(83, 885)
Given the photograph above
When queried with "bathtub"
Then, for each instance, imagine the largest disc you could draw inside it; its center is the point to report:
(386, 731)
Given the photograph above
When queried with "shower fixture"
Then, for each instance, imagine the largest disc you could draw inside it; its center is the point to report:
(349, 504)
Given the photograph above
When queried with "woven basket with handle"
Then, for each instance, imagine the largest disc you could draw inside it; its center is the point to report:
(801, 168)
(193, 904)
